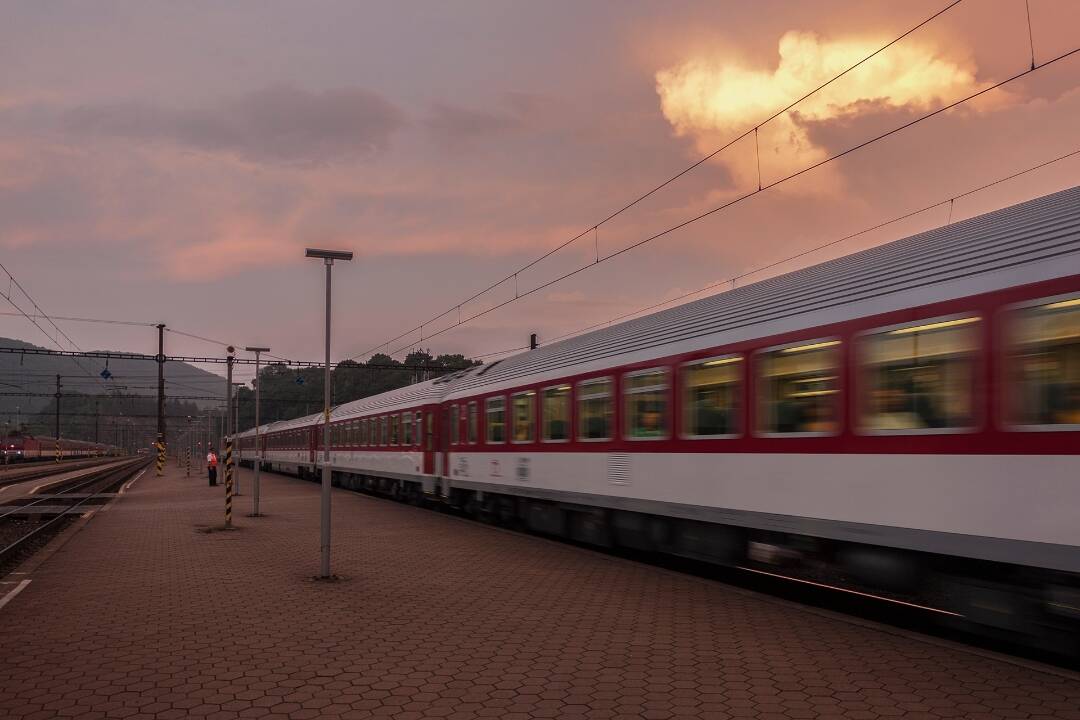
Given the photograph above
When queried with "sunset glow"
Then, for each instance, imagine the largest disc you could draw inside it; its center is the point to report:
(714, 99)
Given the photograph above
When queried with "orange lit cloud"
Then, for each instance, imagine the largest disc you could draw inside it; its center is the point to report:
(712, 100)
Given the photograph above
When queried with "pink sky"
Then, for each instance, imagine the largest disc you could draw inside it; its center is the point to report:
(168, 162)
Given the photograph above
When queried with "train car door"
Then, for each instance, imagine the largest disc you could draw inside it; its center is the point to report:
(425, 438)
(443, 439)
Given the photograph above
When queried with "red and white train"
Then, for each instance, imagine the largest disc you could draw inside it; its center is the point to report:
(21, 447)
(906, 417)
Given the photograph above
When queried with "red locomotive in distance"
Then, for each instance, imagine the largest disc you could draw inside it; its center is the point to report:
(23, 447)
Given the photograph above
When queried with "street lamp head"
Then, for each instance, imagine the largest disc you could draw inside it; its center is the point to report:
(328, 254)
(257, 349)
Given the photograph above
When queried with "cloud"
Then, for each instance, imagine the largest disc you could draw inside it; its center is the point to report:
(455, 125)
(275, 124)
(713, 100)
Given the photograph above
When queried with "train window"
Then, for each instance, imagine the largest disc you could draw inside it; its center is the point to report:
(418, 429)
(406, 428)
(473, 424)
(429, 434)
(455, 425)
(364, 432)
(595, 409)
(919, 377)
(646, 404)
(1043, 366)
(496, 419)
(798, 388)
(555, 412)
(384, 435)
(712, 397)
(523, 407)
(395, 436)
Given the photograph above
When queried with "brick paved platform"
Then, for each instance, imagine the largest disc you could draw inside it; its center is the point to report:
(143, 615)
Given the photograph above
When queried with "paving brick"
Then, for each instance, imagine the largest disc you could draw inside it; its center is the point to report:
(144, 614)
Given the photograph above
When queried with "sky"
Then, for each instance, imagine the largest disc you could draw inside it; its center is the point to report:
(169, 162)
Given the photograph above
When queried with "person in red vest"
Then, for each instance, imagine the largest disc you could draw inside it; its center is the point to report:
(211, 466)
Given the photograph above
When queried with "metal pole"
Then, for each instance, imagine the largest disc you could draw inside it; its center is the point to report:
(324, 539)
(57, 418)
(228, 442)
(161, 399)
(258, 446)
(236, 429)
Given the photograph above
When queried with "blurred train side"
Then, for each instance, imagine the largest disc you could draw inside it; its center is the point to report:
(902, 419)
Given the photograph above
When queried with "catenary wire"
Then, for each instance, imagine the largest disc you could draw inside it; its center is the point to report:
(739, 199)
(665, 183)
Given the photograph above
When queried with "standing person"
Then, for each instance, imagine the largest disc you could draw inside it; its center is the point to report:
(211, 466)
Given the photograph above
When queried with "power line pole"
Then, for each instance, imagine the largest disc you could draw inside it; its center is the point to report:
(57, 418)
(258, 445)
(161, 399)
(228, 441)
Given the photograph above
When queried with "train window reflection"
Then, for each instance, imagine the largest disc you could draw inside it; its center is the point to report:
(406, 429)
(455, 425)
(1044, 365)
(496, 420)
(595, 409)
(711, 397)
(921, 377)
(383, 435)
(556, 413)
(797, 388)
(473, 423)
(646, 405)
(393, 429)
(429, 431)
(524, 412)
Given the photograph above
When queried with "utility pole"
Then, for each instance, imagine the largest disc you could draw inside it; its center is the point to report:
(161, 399)
(57, 418)
(258, 445)
(228, 439)
(236, 428)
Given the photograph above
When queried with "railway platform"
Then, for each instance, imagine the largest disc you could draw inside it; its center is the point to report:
(149, 610)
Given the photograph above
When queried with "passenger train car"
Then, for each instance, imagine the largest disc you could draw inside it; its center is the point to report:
(24, 448)
(905, 417)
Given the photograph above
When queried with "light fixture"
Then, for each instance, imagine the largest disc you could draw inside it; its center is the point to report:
(812, 346)
(935, 326)
(1062, 304)
(722, 361)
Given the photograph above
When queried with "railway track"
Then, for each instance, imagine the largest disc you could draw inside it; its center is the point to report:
(13, 475)
(31, 522)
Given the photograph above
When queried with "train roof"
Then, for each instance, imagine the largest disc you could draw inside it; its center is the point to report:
(1028, 242)
(421, 393)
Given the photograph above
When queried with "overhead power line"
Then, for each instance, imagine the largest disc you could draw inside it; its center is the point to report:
(741, 198)
(730, 282)
(595, 227)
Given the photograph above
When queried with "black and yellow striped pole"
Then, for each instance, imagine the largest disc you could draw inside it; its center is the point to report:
(160, 457)
(58, 450)
(228, 482)
(187, 473)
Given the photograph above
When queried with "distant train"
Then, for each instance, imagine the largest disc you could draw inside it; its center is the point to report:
(25, 448)
(903, 420)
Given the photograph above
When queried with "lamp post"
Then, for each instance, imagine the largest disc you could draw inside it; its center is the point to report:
(328, 257)
(258, 447)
